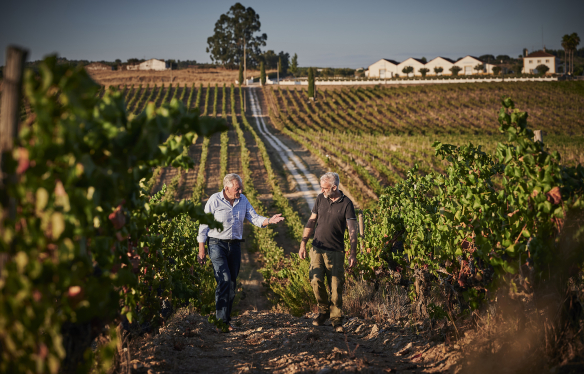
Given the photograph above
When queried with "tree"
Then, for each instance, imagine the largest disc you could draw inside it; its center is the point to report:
(487, 58)
(407, 70)
(284, 62)
(310, 82)
(438, 70)
(542, 69)
(455, 70)
(233, 31)
(573, 42)
(496, 70)
(271, 60)
(518, 67)
(424, 71)
(262, 74)
(479, 68)
(294, 65)
(566, 46)
(503, 58)
(423, 59)
(240, 74)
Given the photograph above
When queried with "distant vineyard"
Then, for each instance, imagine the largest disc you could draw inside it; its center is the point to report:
(359, 132)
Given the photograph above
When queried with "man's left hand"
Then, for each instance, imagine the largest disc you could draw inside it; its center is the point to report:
(352, 261)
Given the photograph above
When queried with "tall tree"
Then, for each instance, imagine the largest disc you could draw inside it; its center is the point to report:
(310, 82)
(240, 74)
(262, 73)
(566, 46)
(234, 30)
(294, 65)
(573, 44)
(284, 62)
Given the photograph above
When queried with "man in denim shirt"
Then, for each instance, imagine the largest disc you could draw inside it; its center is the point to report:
(231, 208)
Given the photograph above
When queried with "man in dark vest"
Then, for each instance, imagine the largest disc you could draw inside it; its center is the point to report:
(332, 213)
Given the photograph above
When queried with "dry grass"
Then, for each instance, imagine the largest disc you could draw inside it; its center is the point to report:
(189, 76)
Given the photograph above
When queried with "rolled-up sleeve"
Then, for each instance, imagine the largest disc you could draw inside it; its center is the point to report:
(252, 216)
(204, 229)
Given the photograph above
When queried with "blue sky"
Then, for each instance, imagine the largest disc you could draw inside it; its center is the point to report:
(323, 33)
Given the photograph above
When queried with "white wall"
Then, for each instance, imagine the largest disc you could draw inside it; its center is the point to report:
(467, 65)
(530, 64)
(153, 64)
(439, 62)
(413, 63)
(374, 69)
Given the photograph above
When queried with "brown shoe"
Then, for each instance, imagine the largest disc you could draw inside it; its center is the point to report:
(339, 328)
(320, 319)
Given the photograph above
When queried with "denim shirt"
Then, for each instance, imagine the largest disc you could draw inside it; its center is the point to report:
(232, 217)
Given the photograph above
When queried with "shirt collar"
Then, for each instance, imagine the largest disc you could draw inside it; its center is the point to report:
(340, 199)
(224, 198)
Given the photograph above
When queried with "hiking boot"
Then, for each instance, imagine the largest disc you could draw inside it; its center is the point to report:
(339, 328)
(320, 319)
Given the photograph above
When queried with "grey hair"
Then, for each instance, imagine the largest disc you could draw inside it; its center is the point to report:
(229, 178)
(332, 178)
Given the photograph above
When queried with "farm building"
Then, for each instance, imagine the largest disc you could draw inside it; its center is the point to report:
(152, 64)
(98, 66)
(382, 69)
(467, 64)
(439, 62)
(417, 64)
(532, 60)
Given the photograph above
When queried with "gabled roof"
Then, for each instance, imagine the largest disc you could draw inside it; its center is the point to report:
(392, 61)
(462, 58)
(444, 58)
(539, 54)
(413, 58)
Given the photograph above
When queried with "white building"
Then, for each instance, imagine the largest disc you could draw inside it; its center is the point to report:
(440, 62)
(534, 59)
(467, 64)
(382, 69)
(413, 62)
(154, 64)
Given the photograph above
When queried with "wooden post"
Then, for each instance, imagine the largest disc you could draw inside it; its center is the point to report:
(11, 90)
(537, 136)
(361, 229)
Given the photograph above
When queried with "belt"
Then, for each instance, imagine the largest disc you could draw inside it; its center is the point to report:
(228, 240)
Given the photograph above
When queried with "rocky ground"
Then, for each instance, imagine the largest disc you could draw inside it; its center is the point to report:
(268, 341)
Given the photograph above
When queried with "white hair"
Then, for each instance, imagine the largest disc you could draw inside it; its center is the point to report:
(332, 178)
(229, 178)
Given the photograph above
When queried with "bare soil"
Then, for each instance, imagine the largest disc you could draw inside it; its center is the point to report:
(269, 341)
(216, 75)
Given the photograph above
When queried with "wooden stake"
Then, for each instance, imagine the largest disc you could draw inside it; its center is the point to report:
(537, 136)
(11, 90)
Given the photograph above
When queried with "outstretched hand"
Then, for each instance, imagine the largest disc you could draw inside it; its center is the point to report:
(276, 218)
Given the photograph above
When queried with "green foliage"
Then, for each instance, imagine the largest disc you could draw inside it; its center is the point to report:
(438, 70)
(86, 242)
(498, 212)
(233, 30)
(408, 70)
(262, 74)
(455, 70)
(496, 70)
(240, 77)
(542, 69)
(424, 71)
(479, 68)
(294, 65)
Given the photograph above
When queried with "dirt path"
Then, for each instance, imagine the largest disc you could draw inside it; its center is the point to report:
(274, 342)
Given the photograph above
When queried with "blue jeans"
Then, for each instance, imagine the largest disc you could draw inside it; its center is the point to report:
(226, 259)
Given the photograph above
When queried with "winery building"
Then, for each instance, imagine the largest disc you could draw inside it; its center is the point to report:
(534, 59)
